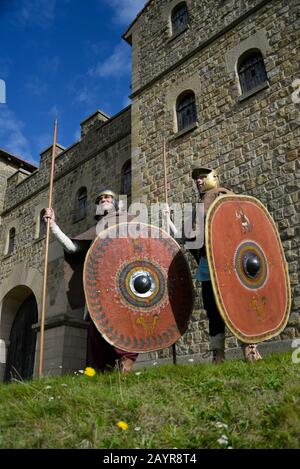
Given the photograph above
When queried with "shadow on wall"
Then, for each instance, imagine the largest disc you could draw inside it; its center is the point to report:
(17, 347)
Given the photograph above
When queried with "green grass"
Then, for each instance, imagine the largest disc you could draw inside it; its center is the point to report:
(184, 406)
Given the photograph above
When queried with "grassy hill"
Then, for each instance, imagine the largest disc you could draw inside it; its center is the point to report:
(235, 405)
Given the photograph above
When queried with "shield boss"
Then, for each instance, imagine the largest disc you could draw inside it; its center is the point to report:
(138, 287)
(248, 268)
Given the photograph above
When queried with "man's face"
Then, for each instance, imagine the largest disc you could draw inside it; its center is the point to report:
(105, 203)
(200, 182)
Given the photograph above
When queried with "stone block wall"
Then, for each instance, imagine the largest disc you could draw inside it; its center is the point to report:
(155, 48)
(253, 142)
(95, 163)
(6, 171)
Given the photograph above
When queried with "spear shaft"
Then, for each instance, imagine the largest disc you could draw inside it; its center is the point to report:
(44, 292)
(168, 227)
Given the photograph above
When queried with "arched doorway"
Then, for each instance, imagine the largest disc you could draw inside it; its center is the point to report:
(22, 340)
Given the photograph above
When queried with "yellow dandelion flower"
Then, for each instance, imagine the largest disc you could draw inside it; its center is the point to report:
(89, 371)
(122, 425)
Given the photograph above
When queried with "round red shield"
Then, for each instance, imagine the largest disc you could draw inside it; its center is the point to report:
(138, 287)
(248, 268)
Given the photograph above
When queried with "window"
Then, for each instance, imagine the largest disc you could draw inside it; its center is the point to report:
(126, 179)
(186, 110)
(251, 70)
(81, 204)
(42, 225)
(180, 18)
(11, 240)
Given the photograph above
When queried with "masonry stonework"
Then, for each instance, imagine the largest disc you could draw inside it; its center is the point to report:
(253, 140)
(95, 162)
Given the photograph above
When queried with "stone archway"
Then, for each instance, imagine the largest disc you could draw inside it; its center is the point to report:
(22, 340)
(19, 313)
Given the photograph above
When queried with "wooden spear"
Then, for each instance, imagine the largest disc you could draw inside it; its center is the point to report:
(168, 227)
(42, 327)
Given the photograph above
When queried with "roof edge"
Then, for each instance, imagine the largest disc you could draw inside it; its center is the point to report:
(126, 35)
(19, 161)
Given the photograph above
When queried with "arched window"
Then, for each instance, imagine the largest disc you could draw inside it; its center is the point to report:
(126, 179)
(186, 110)
(42, 225)
(81, 204)
(11, 240)
(179, 18)
(251, 70)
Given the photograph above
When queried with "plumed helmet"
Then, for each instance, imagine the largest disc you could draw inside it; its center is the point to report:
(211, 177)
(106, 192)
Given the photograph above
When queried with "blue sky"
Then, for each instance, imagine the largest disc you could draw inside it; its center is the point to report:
(64, 56)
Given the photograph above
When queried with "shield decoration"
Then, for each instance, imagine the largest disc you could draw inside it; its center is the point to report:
(138, 287)
(248, 268)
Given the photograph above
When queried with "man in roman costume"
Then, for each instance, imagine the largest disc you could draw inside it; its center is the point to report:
(100, 354)
(209, 189)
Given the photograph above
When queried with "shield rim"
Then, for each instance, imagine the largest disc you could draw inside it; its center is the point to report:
(86, 298)
(208, 245)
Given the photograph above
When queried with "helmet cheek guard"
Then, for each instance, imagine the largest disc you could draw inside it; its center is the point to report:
(211, 179)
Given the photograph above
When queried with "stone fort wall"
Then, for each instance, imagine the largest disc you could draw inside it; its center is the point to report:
(94, 162)
(253, 141)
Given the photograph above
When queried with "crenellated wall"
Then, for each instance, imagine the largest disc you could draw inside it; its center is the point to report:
(94, 162)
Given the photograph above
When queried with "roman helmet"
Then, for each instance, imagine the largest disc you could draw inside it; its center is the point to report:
(211, 180)
(115, 201)
(106, 192)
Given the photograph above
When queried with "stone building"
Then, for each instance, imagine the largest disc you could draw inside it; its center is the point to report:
(214, 80)
(98, 159)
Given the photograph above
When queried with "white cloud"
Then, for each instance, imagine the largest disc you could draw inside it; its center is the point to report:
(12, 138)
(36, 87)
(125, 11)
(81, 90)
(95, 48)
(38, 12)
(84, 96)
(119, 63)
